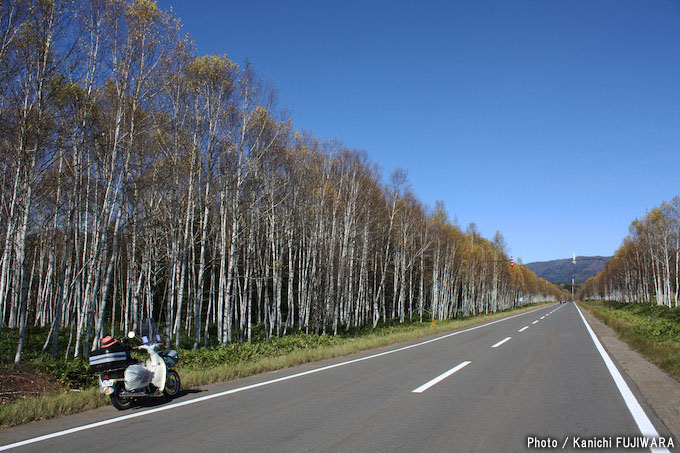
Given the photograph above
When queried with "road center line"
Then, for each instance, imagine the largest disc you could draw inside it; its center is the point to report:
(247, 387)
(643, 422)
(535, 322)
(441, 377)
(501, 342)
(523, 329)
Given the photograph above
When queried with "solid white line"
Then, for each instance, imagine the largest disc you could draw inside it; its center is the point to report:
(644, 424)
(523, 329)
(535, 322)
(501, 342)
(248, 387)
(441, 377)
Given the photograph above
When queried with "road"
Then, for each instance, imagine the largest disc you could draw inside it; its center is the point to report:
(492, 387)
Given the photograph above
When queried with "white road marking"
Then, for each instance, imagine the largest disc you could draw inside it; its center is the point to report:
(523, 329)
(542, 317)
(441, 377)
(501, 342)
(535, 322)
(241, 389)
(644, 424)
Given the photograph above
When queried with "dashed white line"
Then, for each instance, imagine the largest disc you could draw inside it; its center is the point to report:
(523, 329)
(501, 342)
(542, 317)
(441, 377)
(535, 322)
(245, 388)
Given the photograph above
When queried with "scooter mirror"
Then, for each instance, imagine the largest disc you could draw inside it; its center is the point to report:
(131, 335)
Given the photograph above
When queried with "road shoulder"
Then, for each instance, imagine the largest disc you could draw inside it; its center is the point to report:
(661, 392)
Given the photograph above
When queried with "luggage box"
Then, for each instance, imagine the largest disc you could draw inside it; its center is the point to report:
(110, 358)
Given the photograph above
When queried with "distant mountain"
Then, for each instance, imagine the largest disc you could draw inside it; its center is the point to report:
(562, 271)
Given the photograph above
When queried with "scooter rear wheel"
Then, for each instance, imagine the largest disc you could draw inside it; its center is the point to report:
(172, 384)
(118, 401)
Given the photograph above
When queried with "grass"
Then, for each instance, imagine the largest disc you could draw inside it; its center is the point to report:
(50, 406)
(653, 331)
(219, 364)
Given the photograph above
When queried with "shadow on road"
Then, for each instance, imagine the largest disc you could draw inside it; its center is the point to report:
(145, 403)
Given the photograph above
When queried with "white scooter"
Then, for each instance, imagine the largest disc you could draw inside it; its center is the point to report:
(126, 380)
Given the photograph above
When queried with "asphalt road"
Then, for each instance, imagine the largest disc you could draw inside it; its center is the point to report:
(490, 388)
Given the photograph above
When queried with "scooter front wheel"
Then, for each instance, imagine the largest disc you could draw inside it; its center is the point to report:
(172, 384)
(118, 401)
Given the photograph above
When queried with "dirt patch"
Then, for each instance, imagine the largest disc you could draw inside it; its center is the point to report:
(21, 382)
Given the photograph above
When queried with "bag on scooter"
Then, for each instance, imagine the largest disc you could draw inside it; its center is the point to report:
(137, 377)
(111, 356)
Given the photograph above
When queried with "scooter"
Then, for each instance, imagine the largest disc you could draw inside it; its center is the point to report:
(124, 379)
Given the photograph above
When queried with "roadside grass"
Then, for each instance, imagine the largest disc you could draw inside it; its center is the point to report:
(219, 364)
(653, 331)
(50, 406)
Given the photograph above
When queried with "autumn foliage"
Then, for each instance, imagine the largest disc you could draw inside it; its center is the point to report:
(645, 267)
(141, 179)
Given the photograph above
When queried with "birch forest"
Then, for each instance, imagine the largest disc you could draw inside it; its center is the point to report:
(645, 267)
(139, 179)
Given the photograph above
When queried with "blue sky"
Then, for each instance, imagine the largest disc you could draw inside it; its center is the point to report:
(555, 122)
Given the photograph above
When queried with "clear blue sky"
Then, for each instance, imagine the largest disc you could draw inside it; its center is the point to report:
(555, 122)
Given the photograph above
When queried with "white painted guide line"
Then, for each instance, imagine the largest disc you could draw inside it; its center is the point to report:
(523, 329)
(535, 322)
(643, 422)
(241, 389)
(501, 342)
(441, 377)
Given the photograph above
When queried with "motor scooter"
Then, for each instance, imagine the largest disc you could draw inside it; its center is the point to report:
(124, 379)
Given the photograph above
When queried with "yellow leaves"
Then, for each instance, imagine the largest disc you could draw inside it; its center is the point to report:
(143, 11)
(260, 113)
(212, 66)
(68, 93)
(148, 24)
(213, 70)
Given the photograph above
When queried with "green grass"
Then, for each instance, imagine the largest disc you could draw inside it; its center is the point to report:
(653, 331)
(50, 406)
(219, 364)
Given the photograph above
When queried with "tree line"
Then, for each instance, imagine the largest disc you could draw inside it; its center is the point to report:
(645, 267)
(142, 179)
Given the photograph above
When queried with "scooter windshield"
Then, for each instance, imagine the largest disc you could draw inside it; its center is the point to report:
(149, 332)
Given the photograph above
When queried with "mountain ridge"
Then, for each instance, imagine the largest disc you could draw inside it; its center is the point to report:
(563, 270)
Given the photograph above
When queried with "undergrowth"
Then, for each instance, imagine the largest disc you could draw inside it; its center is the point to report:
(652, 330)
